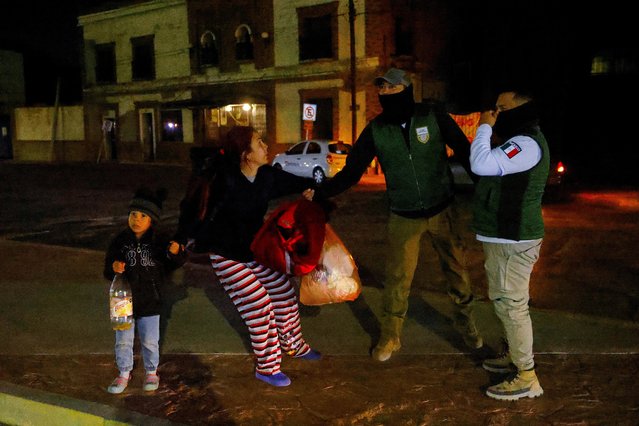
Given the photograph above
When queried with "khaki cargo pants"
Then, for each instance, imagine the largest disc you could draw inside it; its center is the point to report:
(404, 236)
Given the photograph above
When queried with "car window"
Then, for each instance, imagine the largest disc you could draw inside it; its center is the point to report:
(339, 148)
(313, 148)
(296, 149)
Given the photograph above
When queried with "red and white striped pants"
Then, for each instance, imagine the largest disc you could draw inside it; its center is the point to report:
(268, 305)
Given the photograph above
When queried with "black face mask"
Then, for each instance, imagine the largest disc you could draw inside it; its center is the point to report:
(512, 122)
(398, 108)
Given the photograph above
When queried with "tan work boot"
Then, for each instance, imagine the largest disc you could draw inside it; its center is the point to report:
(471, 336)
(385, 349)
(501, 364)
(464, 322)
(525, 383)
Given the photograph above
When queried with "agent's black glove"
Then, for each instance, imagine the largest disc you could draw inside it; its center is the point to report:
(326, 204)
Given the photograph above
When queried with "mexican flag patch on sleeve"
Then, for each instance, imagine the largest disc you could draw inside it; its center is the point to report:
(510, 149)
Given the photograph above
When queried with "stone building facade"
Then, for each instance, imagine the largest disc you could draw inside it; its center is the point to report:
(164, 76)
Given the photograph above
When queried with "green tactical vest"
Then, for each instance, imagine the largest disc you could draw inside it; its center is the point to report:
(510, 206)
(419, 178)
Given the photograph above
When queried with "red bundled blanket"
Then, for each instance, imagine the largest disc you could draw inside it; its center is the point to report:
(291, 239)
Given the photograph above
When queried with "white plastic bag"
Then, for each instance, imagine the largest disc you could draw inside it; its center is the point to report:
(335, 278)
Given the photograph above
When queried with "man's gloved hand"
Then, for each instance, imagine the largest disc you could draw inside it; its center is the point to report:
(326, 204)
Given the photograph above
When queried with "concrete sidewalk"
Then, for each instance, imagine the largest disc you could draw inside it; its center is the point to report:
(55, 302)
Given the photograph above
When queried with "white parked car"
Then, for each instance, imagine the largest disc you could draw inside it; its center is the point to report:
(316, 158)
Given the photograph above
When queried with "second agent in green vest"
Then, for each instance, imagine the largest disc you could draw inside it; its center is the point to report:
(507, 218)
(409, 141)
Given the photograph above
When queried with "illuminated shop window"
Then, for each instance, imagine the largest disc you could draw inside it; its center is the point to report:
(245, 114)
(172, 125)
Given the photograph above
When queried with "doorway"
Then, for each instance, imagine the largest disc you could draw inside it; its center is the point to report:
(147, 134)
(6, 149)
(109, 138)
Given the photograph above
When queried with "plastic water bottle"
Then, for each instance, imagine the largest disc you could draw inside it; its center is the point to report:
(121, 303)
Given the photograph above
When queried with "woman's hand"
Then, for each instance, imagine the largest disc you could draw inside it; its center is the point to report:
(308, 194)
(118, 267)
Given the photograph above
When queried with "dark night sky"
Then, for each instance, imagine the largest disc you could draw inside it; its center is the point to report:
(43, 31)
(46, 33)
(550, 46)
(547, 40)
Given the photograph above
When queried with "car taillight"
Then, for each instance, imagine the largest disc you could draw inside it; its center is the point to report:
(560, 167)
(329, 159)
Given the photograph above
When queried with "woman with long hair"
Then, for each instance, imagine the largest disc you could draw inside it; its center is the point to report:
(265, 299)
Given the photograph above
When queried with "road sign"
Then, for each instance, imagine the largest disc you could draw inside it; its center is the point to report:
(309, 112)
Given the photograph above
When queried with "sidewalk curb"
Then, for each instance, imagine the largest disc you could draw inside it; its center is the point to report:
(21, 405)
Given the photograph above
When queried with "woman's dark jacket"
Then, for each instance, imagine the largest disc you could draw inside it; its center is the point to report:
(148, 262)
(236, 210)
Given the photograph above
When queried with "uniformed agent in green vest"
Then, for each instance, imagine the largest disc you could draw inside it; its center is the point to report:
(409, 140)
(507, 218)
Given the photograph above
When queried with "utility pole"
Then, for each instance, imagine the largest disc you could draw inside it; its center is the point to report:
(54, 120)
(351, 24)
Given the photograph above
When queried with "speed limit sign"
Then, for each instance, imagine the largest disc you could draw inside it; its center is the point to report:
(309, 112)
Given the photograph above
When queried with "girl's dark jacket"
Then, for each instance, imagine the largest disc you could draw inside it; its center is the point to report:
(148, 261)
(236, 210)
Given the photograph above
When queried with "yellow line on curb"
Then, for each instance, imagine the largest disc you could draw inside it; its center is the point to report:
(20, 405)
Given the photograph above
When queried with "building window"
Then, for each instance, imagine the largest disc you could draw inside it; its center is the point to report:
(143, 65)
(105, 63)
(208, 49)
(243, 43)
(614, 62)
(600, 65)
(172, 125)
(315, 35)
(403, 37)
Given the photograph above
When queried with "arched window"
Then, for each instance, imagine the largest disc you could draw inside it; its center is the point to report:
(208, 49)
(243, 43)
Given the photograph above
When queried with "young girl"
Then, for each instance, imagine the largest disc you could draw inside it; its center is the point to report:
(145, 258)
(265, 299)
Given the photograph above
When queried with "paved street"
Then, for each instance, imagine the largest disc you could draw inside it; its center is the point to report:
(55, 222)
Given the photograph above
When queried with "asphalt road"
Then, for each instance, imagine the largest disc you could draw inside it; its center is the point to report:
(588, 263)
(56, 220)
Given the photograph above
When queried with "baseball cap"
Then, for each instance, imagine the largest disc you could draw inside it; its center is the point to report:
(393, 76)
